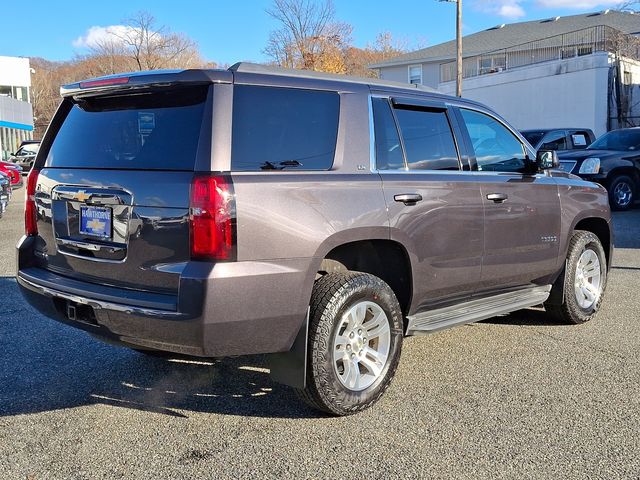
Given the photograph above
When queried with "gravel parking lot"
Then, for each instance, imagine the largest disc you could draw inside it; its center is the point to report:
(513, 397)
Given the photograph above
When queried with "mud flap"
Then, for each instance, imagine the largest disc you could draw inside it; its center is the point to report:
(290, 368)
(556, 296)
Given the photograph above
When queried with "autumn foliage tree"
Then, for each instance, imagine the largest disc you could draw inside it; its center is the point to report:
(309, 37)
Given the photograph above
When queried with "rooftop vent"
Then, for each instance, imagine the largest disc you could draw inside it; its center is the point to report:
(550, 20)
(597, 14)
(497, 27)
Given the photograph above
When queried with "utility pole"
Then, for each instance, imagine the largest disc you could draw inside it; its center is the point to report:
(458, 44)
(459, 49)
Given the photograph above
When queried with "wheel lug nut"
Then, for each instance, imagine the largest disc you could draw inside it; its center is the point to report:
(360, 332)
(353, 355)
(351, 335)
(348, 347)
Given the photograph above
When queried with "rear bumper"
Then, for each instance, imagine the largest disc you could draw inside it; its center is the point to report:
(222, 309)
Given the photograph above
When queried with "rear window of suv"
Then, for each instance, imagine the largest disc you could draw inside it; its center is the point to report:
(283, 129)
(143, 131)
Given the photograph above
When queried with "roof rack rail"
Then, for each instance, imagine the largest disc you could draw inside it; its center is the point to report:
(248, 67)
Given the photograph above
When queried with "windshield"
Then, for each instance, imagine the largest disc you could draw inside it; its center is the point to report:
(624, 140)
(533, 137)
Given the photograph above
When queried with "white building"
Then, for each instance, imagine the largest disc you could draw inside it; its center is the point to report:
(579, 71)
(16, 114)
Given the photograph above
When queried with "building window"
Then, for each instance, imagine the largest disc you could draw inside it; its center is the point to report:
(492, 64)
(20, 93)
(415, 74)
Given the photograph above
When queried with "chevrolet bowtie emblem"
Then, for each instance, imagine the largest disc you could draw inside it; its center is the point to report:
(96, 224)
(81, 196)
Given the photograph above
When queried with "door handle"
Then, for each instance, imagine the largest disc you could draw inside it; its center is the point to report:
(408, 198)
(497, 197)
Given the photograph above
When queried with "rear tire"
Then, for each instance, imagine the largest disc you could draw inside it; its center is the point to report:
(355, 340)
(622, 192)
(582, 283)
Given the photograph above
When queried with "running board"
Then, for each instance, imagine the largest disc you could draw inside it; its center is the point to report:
(476, 309)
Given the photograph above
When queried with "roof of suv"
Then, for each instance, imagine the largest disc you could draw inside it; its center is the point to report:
(167, 77)
(547, 130)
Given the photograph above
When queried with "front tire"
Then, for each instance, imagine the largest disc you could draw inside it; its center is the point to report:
(583, 280)
(622, 192)
(355, 340)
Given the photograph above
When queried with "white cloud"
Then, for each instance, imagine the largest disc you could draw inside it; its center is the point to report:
(97, 35)
(578, 4)
(511, 9)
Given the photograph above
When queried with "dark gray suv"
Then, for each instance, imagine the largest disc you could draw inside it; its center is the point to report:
(317, 219)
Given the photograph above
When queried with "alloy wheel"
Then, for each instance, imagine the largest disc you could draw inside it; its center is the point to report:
(361, 345)
(623, 194)
(588, 279)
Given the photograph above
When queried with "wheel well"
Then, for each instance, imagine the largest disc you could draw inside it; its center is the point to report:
(629, 171)
(600, 228)
(385, 259)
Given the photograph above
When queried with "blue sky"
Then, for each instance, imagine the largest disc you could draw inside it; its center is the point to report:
(230, 31)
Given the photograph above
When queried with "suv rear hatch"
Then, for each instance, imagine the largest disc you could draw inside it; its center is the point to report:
(112, 197)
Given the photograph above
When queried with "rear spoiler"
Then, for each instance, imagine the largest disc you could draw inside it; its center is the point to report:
(138, 80)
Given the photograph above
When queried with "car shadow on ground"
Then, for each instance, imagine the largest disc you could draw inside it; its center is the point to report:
(47, 366)
(535, 317)
(627, 229)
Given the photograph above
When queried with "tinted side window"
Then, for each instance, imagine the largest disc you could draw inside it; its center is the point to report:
(388, 147)
(428, 140)
(277, 128)
(495, 147)
(580, 140)
(555, 141)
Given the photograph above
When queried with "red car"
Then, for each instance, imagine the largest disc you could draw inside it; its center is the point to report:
(13, 171)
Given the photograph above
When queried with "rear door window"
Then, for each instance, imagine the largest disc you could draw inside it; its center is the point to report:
(428, 139)
(144, 131)
(388, 147)
(283, 128)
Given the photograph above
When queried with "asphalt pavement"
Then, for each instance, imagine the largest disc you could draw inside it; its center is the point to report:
(516, 396)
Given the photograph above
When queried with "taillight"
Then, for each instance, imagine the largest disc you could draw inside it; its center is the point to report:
(30, 212)
(212, 218)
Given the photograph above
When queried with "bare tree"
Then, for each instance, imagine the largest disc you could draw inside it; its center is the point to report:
(630, 5)
(147, 46)
(139, 45)
(309, 36)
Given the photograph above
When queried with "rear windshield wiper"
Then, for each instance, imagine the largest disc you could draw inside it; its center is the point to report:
(280, 165)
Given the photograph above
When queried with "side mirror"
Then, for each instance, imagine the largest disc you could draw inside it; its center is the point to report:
(547, 159)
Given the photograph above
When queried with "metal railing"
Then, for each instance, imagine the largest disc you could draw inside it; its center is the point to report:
(600, 38)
